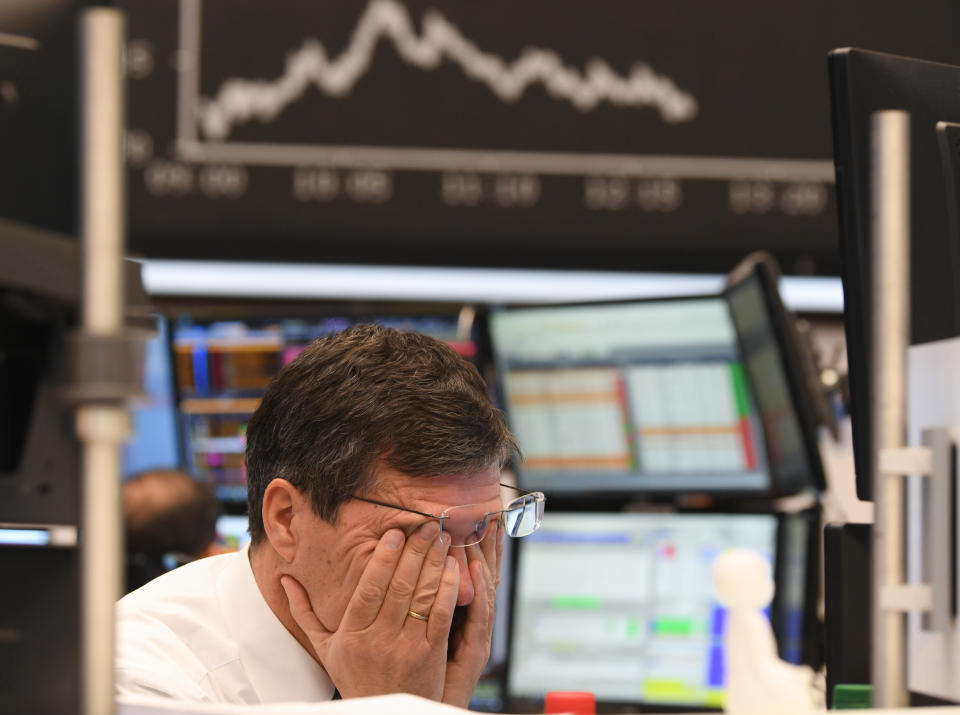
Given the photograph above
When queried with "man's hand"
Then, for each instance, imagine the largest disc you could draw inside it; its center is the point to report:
(378, 648)
(471, 645)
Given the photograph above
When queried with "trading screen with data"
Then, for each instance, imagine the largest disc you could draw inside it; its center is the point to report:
(223, 367)
(629, 396)
(623, 605)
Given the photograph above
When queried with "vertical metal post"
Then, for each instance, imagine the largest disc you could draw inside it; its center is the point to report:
(101, 426)
(890, 207)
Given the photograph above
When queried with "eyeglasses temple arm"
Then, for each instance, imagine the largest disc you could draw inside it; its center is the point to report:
(523, 492)
(400, 508)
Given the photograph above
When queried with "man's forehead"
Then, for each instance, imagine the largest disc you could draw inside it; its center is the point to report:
(442, 491)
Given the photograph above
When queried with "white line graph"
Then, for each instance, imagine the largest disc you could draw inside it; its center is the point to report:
(193, 111)
(242, 100)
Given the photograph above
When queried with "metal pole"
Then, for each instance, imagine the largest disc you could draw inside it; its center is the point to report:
(101, 426)
(890, 206)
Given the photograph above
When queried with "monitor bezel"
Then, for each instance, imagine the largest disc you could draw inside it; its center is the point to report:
(797, 365)
(812, 629)
(617, 494)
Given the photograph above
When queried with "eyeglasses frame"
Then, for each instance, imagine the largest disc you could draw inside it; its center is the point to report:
(440, 517)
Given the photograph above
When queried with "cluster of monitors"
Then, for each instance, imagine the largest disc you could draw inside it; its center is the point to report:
(701, 394)
(203, 381)
(709, 394)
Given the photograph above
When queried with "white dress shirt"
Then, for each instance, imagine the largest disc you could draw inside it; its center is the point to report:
(203, 632)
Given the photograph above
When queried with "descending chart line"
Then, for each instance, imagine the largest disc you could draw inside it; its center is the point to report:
(204, 124)
(239, 101)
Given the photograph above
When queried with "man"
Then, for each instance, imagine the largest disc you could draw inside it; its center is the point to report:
(167, 517)
(373, 467)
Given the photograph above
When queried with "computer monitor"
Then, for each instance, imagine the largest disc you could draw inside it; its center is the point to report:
(948, 136)
(232, 531)
(39, 117)
(626, 397)
(155, 439)
(623, 605)
(782, 375)
(223, 366)
(861, 83)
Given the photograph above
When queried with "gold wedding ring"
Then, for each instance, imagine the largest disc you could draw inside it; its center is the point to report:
(418, 616)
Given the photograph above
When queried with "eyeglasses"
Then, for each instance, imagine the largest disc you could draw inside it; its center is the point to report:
(469, 524)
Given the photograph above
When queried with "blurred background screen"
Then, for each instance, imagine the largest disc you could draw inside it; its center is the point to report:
(623, 605)
(641, 396)
(155, 439)
(222, 368)
(550, 133)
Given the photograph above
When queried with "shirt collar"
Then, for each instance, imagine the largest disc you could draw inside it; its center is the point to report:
(279, 668)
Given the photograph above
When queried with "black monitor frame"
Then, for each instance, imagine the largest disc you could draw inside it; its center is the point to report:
(948, 137)
(812, 629)
(862, 82)
(617, 495)
(796, 374)
(808, 401)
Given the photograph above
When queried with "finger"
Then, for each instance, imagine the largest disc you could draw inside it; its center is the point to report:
(480, 611)
(478, 624)
(479, 552)
(491, 547)
(400, 590)
(477, 558)
(441, 613)
(430, 575)
(367, 599)
(501, 537)
(302, 612)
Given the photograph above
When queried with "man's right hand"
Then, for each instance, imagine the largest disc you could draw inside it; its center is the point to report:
(378, 648)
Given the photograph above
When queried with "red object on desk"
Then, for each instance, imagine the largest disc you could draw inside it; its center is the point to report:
(560, 701)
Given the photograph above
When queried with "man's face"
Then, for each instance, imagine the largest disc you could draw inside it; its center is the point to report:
(334, 555)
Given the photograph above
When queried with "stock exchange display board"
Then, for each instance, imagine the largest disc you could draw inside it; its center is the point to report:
(38, 125)
(610, 134)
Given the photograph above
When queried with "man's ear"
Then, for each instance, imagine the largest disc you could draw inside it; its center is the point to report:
(282, 503)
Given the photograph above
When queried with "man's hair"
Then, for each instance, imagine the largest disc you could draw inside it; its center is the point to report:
(165, 511)
(365, 397)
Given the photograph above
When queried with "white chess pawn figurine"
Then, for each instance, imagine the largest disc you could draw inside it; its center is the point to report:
(758, 682)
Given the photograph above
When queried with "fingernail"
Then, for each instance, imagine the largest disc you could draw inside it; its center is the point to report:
(429, 530)
(451, 563)
(442, 543)
(393, 538)
(283, 582)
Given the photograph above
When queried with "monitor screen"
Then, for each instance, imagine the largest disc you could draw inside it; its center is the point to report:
(222, 370)
(22, 536)
(154, 442)
(784, 391)
(623, 605)
(629, 396)
(39, 117)
(232, 531)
